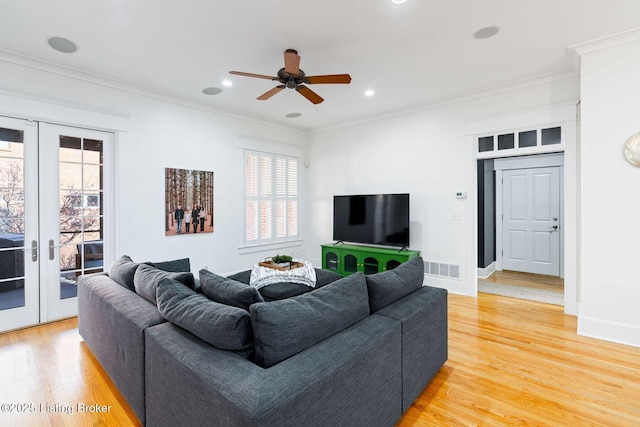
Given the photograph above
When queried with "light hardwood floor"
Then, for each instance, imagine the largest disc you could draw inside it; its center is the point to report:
(511, 362)
(516, 278)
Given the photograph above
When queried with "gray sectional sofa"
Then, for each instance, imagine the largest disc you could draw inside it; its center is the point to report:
(356, 351)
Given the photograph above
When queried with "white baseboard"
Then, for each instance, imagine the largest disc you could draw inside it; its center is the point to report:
(609, 331)
(483, 273)
(454, 286)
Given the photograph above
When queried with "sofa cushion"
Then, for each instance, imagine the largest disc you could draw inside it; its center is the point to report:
(122, 271)
(222, 326)
(278, 291)
(176, 265)
(283, 290)
(391, 285)
(228, 291)
(284, 328)
(146, 279)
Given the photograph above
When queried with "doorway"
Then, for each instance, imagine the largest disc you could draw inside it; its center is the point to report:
(53, 201)
(520, 224)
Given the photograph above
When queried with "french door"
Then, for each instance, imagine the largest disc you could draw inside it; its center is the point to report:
(53, 200)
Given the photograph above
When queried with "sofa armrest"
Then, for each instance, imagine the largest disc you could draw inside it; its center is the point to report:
(423, 314)
(352, 378)
(112, 320)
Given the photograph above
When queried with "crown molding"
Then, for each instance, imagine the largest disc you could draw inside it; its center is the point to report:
(463, 97)
(624, 37)
(75, 74)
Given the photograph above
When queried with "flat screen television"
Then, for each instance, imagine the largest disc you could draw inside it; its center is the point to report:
(378, 219)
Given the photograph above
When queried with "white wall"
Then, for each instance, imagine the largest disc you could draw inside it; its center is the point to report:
(610, 200)
(159, 134)
(422, 152)
(425, 153)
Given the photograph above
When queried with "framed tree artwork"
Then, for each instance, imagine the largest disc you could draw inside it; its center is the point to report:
(188, 202)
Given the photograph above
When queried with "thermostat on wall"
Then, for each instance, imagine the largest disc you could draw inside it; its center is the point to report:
(461, 194)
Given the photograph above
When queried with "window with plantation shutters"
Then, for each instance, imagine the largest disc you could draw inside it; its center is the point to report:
(271, 198)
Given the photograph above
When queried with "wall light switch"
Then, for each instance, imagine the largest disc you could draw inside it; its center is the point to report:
(461, 194)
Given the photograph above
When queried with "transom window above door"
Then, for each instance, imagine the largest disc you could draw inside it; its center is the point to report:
(521, 141)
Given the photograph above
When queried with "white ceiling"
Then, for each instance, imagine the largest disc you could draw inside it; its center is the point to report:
(412, 54)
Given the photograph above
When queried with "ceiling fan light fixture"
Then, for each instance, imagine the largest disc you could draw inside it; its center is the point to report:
(291, 83)
(227, 83)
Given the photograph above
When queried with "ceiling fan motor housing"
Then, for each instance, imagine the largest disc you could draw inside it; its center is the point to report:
(291, 81)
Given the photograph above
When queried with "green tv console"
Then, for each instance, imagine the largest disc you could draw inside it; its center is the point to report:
(348, 259)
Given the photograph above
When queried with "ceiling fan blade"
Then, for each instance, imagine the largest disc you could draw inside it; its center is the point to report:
(260, 76)
(309, 94)
(291, 62)
(268, 94)
(329, 78)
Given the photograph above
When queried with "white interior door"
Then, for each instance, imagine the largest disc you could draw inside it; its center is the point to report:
(53, 221)
(531, 220)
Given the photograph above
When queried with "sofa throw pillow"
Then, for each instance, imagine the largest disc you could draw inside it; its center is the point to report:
(122, 271)
(146, 279)
(389, 286)
(222, 326)
(324, 277)
(287, 327)
(228, 291)
(175, 266)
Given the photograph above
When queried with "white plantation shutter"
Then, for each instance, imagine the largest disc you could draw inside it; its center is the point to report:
(281, 197)
(271, 198)
(292, 197)
(251, 200)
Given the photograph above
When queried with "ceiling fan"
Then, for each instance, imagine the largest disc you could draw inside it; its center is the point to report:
(292, 77)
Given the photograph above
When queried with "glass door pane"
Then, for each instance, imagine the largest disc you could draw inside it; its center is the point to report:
(81, 216)
(18, 224)
(11, 218)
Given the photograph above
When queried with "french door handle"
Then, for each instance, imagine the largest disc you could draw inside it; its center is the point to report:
(52, 246)
(33, 249)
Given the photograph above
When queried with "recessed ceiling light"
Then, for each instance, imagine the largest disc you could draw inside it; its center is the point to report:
(486, 32)
(293, 115)
(369, 92)
(227, 83)
(62, 45)
(398, 1)
(212, 90)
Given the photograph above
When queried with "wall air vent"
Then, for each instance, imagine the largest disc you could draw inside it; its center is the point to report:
(442, 269)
